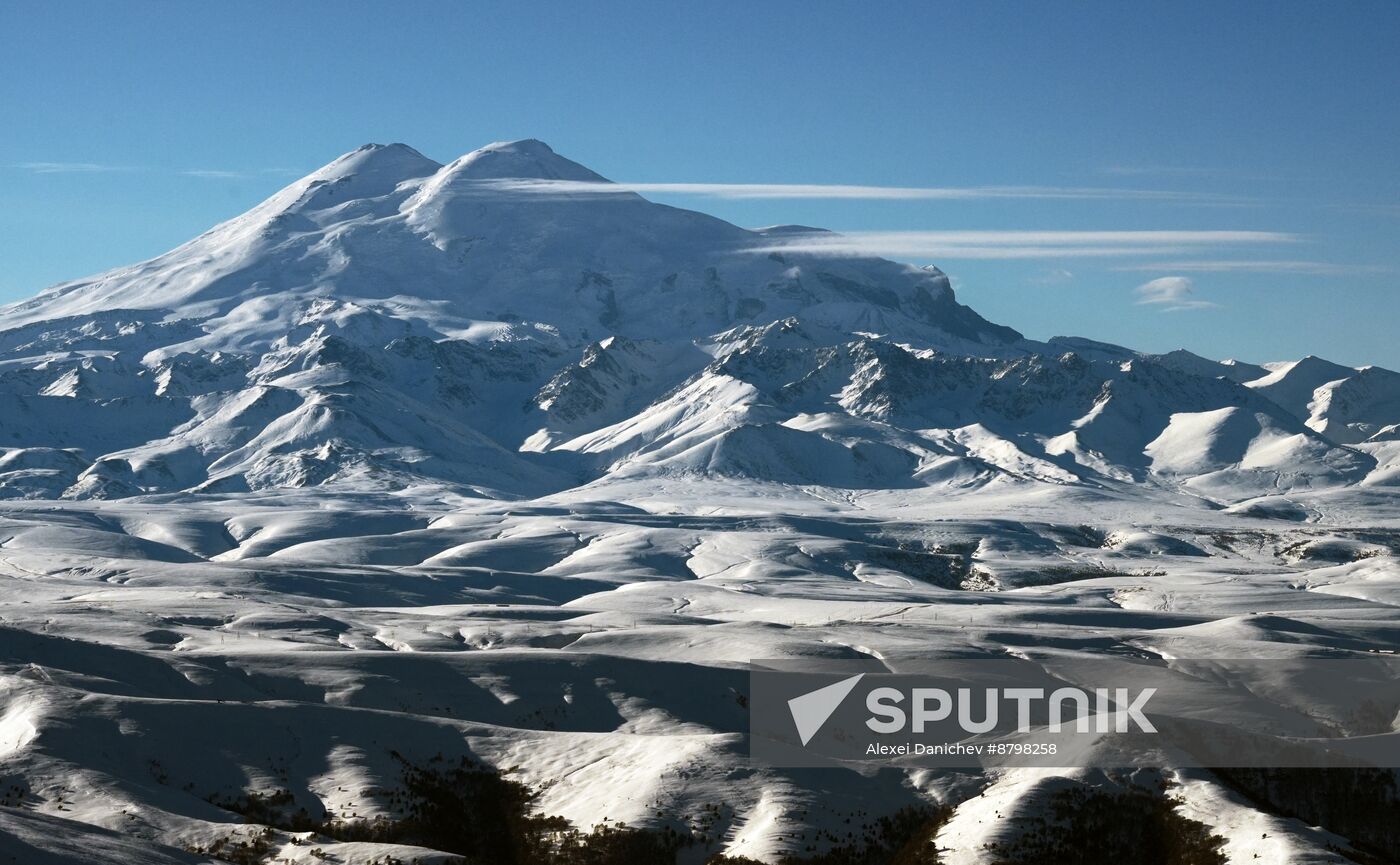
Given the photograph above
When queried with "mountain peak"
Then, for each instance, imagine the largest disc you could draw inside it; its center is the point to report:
(368, 171)
(1311, 368)
(525, 159)
(520, 145)
(398, 162)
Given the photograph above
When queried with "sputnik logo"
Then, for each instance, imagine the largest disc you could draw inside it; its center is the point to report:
(1115, 712)
(811, 710)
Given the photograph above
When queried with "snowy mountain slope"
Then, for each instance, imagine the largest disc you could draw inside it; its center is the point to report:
(388, 318)
(1358, 407)
(1292, 385)
(1084, 421)
(1345, 404)
(461, 249)
(418, 462)
(1234, 370)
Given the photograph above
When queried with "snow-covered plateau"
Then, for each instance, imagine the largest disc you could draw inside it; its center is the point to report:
(497, 460)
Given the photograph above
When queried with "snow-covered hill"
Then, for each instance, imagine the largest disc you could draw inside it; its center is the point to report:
(497, 458)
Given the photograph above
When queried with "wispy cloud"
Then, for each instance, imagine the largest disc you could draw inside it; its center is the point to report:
(69, 167)
(1370, 209)
(848, 191)
(99, 167)
(213, 173)
(1156, 170)
(1016, 244)
(234, 174)
(1308, 268)
(1172, 293)
(1052, 276)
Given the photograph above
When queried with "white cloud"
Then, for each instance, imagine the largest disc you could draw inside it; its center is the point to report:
(846, 191)
(1168, 170)
(68, 167)
(234, 174)
(1015, 244)
(1172, 293)
(1310, 268)
(1052, 276)
(98, 167)
(1370, 209)
(213, 173)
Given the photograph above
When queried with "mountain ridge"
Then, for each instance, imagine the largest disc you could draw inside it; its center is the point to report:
(390, 320)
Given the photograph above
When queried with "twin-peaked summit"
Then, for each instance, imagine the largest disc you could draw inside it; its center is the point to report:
(508, 236)
(376, 169)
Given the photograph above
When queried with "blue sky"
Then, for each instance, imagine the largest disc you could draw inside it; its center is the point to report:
(131, 127)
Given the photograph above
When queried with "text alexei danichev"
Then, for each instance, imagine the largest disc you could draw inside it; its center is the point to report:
(907, 749)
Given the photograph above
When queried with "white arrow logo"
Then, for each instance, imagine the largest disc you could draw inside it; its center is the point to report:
(810, 711)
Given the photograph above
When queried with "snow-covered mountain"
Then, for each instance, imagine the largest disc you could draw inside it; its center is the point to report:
(472, 249)
(389, 320)
(495, 461)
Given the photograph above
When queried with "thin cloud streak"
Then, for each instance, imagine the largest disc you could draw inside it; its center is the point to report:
(1370, 209)
(69, 167)
(101, 168)
(851, 192)
(1157, 170)
(992, 245)
(1308, 268)
(213, 173)
(735, 191)
(233, 174)
(1189, 237)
